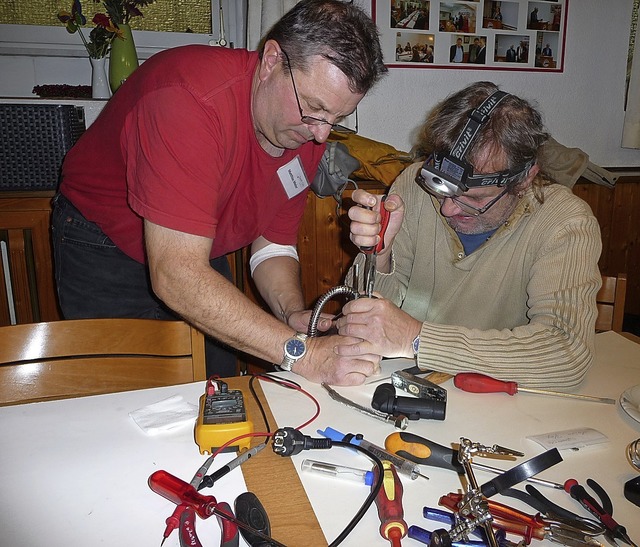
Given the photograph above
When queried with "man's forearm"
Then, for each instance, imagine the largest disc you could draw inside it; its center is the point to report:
(278, 281)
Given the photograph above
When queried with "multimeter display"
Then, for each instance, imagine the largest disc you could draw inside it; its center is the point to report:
(224, 409)
(222, 417)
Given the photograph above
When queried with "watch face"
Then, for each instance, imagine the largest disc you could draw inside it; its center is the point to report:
(295, 348)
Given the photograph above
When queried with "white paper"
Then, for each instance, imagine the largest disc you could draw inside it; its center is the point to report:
(165, 415)
(570, 438)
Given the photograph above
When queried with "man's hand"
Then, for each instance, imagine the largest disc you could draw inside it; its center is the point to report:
(383, 327)
(323, 363)
(365, 223)
(300, 321)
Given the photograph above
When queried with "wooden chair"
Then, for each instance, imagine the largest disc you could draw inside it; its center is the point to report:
(62, 359)
(610, 301)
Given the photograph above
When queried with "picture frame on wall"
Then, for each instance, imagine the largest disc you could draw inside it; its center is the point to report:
(473, 34)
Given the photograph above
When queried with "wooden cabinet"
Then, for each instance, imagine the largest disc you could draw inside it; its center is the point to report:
(618, 213)
(27, 291)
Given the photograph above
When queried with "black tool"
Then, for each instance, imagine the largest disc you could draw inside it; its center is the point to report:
(546, 507)
(632, 490)
(521, 472)
(250, 511)
(385, 400)
(423, 451)
(602, 511)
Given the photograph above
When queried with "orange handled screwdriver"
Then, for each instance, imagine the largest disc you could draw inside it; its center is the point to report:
(389, 503)
(474, 382)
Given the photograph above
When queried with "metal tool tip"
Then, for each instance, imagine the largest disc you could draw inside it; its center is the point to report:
(423, 476)
(162, 542)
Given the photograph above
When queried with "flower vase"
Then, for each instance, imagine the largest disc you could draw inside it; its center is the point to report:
(99, 81)
(123, 59)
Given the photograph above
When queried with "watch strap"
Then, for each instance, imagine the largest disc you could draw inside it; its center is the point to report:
(287, 360)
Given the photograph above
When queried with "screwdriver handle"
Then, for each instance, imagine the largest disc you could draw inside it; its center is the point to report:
(180, 492)
(475, 382)
(389, 504)
(423, 451)
(384, 222)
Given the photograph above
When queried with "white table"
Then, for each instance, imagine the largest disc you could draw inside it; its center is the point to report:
(74, 472)
(488, 419)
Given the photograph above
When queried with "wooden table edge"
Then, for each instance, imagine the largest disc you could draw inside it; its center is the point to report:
(274, 480)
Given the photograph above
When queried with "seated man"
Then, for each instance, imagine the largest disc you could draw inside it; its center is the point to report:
(488, 266)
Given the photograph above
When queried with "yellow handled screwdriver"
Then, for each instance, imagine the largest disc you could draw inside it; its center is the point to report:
(425, 452)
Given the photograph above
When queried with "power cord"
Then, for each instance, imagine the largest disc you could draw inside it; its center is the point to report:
(288, 441)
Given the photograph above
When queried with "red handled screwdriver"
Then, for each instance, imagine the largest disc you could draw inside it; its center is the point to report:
(182, 493)
(372, 252)
(475, 382)
(389, 503)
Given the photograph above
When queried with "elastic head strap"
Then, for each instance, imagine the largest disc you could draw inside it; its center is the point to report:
(476, 119)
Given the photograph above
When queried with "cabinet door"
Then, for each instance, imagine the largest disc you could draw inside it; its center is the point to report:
(25, 231)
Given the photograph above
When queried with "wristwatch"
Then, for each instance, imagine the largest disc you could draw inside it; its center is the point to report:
(416, 346)
(294, 349)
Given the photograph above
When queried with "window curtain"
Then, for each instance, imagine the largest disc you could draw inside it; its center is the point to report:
(261, 16)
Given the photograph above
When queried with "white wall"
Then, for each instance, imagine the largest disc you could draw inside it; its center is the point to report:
(582, 106)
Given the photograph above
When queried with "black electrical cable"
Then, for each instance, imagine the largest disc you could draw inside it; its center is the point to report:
(371, 498)
(289, 384)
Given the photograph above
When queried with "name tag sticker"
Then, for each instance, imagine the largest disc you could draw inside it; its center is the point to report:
(293, 178)
(572, 439)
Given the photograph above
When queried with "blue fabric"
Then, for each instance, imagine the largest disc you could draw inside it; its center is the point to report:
(471, 242)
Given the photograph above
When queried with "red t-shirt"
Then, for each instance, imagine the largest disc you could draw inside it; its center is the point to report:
(176, 146)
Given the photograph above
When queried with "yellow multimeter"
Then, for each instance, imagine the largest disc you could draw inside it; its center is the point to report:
(222, 417)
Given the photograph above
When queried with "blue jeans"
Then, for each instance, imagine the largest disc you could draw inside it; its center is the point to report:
(96, 279)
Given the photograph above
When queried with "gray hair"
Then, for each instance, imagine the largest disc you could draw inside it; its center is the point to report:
(515, 128)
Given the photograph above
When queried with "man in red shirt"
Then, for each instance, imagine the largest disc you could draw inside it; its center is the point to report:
(204, 151)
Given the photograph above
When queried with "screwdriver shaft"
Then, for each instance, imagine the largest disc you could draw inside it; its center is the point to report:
(605, 400)
(534, 480)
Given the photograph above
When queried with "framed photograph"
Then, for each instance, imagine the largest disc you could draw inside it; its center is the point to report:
(473, 34)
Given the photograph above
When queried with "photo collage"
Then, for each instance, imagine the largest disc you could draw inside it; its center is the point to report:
(496, 34)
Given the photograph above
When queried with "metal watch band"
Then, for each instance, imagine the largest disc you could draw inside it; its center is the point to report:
(289, 359)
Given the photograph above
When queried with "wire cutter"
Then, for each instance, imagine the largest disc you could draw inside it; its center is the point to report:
(372, 252)
(603, 511)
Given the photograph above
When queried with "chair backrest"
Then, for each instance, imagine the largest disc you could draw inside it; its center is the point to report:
(73, 358)
(610, 302)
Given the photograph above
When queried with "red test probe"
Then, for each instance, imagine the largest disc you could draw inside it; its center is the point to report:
(389, 503)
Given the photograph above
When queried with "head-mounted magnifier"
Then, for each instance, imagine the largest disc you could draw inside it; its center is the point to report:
(449, 175)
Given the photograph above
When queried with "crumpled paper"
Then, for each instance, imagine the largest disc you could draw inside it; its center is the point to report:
(164, 415)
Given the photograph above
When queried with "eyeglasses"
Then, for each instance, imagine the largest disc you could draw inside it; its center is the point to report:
(311, 120)
(467, 207)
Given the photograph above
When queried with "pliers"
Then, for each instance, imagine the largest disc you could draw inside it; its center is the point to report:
(187, 527)
(603, 511)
